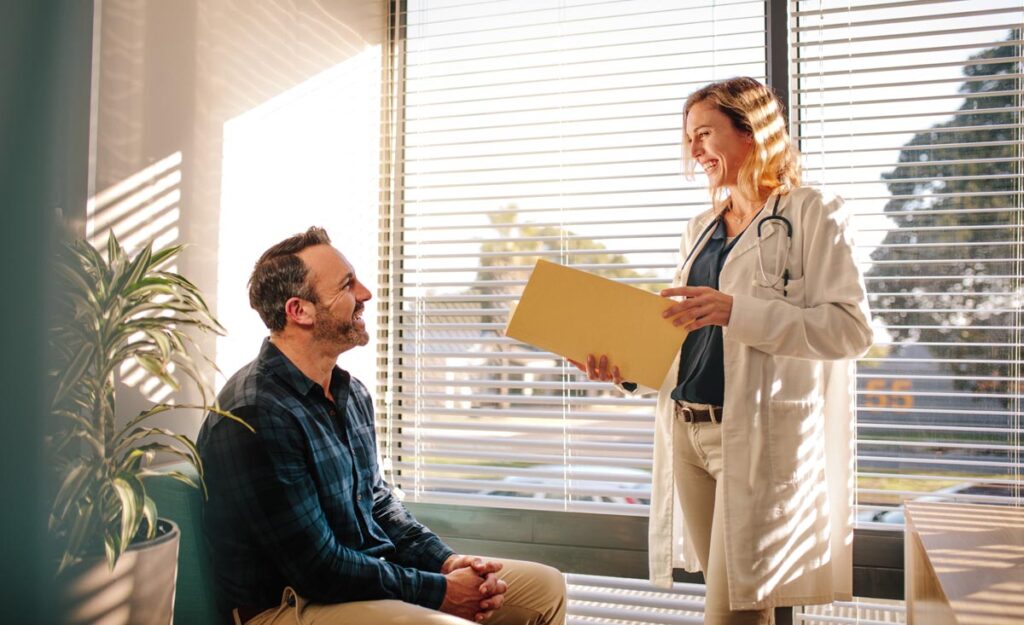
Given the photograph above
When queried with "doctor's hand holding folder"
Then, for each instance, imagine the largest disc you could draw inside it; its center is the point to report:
(611, 331)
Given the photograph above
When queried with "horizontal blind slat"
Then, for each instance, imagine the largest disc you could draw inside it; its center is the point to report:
(909, 19)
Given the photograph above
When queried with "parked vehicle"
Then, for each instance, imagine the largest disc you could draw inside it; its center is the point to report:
(593, 483)
(967, 492)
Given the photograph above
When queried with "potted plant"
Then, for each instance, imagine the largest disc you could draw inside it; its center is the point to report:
(111, 310)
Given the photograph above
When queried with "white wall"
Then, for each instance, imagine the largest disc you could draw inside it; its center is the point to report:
(228, 125)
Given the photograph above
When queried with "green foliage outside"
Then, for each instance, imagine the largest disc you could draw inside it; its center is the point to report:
(967, 214)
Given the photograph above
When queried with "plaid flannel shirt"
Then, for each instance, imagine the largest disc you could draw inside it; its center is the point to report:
(301, 502)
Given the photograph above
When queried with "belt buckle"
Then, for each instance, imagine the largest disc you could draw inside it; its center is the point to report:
(688, 415)
(685, 412)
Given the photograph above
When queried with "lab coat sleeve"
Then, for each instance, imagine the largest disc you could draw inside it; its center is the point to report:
(835, 322)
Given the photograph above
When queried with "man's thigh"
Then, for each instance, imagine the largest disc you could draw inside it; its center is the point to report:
(384, 612)
(536, 596)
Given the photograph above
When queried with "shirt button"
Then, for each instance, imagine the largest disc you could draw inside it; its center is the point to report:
(359, 497)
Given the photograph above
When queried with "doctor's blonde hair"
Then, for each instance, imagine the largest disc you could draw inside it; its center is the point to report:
(754, 109)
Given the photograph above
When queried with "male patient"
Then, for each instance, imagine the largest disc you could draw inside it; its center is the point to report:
(302, 527)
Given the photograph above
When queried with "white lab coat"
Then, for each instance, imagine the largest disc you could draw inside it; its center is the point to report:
(788, 430)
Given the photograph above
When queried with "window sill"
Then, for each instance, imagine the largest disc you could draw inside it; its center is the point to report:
(616, 545)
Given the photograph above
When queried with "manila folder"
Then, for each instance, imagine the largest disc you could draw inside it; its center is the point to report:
(574, 313)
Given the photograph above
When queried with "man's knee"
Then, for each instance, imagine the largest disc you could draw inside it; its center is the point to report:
(542, 585)
(550, 579)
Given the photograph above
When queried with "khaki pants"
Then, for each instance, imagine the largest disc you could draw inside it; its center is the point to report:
(536, 596)
(698, 468)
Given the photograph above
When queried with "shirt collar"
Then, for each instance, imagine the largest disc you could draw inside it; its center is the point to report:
(719, 231)
(274, 361)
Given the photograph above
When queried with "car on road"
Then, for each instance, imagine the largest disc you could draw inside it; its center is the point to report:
(967, 492)
(589, 483)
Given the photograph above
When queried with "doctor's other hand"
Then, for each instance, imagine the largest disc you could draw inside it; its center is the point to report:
(701, 306)
(599, 369)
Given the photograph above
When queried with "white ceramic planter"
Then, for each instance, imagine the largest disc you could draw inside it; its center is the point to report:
(139, 591)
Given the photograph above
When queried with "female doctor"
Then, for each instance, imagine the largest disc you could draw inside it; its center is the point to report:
(754, 428)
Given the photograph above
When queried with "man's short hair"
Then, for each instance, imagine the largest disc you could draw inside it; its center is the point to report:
(280, 274)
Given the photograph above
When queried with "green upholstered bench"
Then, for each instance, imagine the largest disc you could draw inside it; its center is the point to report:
(194, 602)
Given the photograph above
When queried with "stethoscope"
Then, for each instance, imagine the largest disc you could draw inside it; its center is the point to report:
(781, 254)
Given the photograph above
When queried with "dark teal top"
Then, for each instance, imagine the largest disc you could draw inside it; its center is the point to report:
(701, 377)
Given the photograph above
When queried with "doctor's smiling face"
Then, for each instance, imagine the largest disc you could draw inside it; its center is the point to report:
(716, 144)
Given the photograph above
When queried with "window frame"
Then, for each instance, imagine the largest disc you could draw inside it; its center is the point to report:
(597, 543)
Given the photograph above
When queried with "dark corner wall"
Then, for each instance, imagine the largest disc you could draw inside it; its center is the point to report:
(45, 58)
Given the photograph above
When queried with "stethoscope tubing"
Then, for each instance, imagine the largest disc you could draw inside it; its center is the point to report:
(774, 216)
(779, 262)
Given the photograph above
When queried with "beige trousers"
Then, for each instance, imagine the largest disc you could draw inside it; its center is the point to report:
(698, 468)
(536, 596)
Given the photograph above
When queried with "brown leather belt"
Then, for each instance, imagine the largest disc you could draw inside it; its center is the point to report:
(702, 414)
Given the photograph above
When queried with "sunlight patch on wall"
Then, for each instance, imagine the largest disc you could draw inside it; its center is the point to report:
(142, 208)
(308, 156)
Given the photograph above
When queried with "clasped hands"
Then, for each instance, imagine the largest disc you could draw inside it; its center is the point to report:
(474, 591)
(700, 306)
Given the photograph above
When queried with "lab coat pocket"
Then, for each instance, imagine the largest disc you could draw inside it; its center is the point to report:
(792, 292)
(790, 427)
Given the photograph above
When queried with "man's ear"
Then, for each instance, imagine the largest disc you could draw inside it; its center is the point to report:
(299, 311)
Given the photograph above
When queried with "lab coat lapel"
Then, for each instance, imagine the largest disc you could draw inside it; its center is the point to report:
(748, 240)
(705, 230)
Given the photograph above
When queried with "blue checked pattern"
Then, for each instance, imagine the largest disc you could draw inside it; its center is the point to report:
(301, 502)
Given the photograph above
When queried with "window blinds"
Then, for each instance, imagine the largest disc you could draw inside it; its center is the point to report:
(535, 130)
(526, 130)
(912, 112)
(598, 600)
